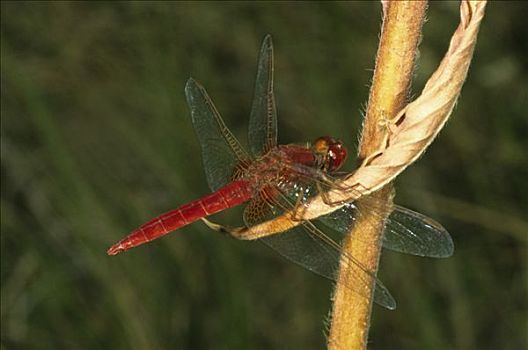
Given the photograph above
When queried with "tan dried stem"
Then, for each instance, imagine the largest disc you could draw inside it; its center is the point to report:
(406, 135)
(395, 60)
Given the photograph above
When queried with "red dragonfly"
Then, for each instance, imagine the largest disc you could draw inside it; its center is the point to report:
(277, 178)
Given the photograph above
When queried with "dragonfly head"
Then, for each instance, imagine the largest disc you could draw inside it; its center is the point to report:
(332, 151)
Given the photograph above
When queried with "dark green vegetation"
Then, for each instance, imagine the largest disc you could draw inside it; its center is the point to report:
(96, 139)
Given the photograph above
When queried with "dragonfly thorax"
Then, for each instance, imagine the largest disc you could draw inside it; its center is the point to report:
(285, 167)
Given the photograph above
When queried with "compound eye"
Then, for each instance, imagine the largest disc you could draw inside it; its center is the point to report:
(337, 155)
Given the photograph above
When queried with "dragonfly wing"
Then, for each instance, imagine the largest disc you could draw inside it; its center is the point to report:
(410, 232)
(304, 246)
(221, 151)
(312, 249)
(262, 131)
(406, 231)
(303, 249)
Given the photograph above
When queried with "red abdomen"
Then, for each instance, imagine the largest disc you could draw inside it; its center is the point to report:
(231, 195)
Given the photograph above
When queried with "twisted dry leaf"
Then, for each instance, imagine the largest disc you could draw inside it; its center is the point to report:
(408, 134)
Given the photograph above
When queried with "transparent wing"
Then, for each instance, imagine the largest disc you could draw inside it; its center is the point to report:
(262, 130)
(312, 249)
(221, 151)
(410, 232)
(406, 231)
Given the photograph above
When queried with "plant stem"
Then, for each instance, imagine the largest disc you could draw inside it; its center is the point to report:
(400, 35)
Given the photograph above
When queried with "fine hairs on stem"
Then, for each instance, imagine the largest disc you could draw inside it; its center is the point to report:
(401, 32)
(389, 149)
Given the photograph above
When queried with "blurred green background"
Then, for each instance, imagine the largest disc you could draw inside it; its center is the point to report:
(96, 139)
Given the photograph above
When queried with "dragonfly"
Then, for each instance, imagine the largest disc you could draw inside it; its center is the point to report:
(273, 179)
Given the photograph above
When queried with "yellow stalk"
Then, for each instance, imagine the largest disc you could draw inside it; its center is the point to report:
(400, 35)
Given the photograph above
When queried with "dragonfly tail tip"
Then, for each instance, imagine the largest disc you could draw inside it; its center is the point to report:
(115, 249)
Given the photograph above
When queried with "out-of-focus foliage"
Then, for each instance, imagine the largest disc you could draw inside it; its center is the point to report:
(96, 138)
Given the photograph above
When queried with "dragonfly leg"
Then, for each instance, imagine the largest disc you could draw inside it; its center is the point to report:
(324, 195)
(326, 199)
(299, 209)
(352, 193)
